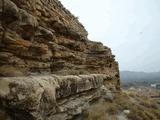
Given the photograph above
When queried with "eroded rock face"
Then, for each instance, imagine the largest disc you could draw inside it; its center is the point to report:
(41, 38)
(51, 97)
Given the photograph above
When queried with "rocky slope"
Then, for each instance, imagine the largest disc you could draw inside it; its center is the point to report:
(38, 39)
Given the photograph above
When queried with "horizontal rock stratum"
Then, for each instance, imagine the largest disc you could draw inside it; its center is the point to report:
(51, 97)
(49, 69)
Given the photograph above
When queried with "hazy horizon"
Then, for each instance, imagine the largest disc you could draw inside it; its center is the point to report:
(129, 27)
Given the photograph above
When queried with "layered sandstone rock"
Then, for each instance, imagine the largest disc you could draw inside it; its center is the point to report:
(51, 97)
(41, 38)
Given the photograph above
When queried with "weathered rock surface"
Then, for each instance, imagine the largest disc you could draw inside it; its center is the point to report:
(51, 97)
(41, 38)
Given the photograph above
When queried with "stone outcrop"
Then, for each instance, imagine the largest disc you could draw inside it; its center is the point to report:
(48, 67)
(51, 97)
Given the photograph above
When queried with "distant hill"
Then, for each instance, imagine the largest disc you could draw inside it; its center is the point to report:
(132, 78)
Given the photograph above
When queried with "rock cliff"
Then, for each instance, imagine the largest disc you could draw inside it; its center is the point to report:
(48, 67)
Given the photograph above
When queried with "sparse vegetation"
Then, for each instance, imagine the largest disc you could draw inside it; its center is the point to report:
(140, 108)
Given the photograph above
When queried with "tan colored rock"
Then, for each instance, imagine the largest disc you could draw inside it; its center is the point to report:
(45, 34)
(41, 97)
(39, 38)
(11, 71)
(52, 37)
(27, 19)
(10, 12)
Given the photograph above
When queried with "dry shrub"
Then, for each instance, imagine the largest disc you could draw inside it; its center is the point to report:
(140, 108)
(97, 112)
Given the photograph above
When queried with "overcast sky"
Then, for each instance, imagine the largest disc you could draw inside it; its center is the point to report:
(130, 27)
